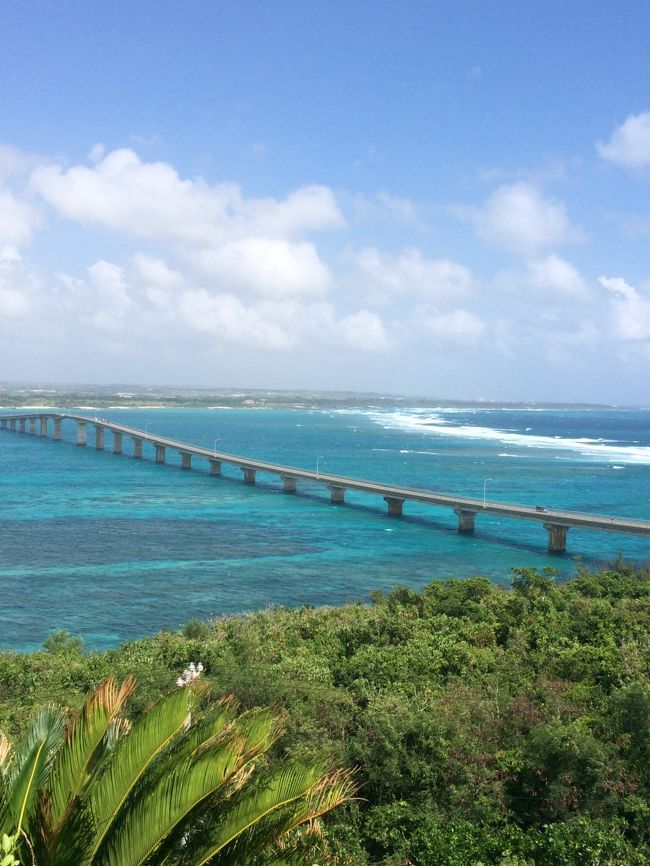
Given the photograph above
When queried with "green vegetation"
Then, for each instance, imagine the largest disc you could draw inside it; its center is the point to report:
(178, 786)
(78, 398)
(486, 726)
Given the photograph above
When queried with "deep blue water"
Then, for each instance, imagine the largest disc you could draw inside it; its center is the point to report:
(113, 548)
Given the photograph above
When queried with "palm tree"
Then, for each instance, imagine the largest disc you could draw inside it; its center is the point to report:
(176, 787)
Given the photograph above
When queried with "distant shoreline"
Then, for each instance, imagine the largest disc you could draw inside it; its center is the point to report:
(92, 397)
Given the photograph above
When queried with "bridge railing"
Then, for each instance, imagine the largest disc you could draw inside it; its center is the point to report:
(556, 522)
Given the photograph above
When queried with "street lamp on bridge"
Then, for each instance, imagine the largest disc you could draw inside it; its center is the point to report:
(484, 487)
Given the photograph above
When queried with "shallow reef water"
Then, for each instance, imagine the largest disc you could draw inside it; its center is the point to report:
(114, 548)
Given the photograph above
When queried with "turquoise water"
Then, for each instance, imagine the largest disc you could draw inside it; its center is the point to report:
(113, 548)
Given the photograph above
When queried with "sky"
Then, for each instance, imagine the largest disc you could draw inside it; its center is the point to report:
(445, 198)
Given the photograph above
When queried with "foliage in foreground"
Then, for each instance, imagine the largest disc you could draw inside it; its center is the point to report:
(488, 726)
(175, 787)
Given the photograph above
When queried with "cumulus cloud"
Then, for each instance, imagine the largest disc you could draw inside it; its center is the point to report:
(109, 281)
(411, 273)
(226, 319)
(268, 267)
(631, 310)
(17, 287)
(156, 280)
(251, 245)
(457, 326)
(550, 275)
(519, 219)
(157, 305)
(18, 219)
(363, 331)
(14, 161)
(150, 200)
(629, 145)
(557, 275)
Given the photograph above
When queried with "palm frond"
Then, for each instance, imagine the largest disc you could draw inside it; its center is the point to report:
(133, 755)
(5, 754)
(83, 737)
(260, 728)
(202, 733)
(29, 768)
(149, 821)
(69, 846)
(262, 812)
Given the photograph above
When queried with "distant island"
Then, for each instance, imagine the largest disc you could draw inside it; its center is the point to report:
(119, 396)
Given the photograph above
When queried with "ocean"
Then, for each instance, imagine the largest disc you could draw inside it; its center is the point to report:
(113, 548)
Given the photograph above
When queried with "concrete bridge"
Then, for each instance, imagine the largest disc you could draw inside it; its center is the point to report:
(556, 523)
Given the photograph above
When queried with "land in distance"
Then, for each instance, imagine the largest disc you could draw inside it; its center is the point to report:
(83, 396)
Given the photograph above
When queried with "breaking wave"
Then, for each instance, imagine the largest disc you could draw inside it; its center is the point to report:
(599, 449)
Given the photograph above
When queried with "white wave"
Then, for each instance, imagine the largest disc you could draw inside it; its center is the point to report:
(423, 421)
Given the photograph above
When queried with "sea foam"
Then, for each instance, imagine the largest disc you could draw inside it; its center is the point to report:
(435, 424)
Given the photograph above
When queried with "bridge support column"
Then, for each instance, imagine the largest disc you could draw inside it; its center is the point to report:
(57, 429)
(395, 506)
(43, 430)
(99, 438)
(32, 426)
(465, 520)
(3, 422)
(21, 424)
(186, 459)
(160, 453)
(12, 423)
(249, 474)
(337, 494)
(556, 537)
(82, 433)
(117, 442)
(137, 448)
(215, 466)
(289, 484)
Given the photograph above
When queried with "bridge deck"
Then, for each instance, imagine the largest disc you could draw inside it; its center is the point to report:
(546, 516)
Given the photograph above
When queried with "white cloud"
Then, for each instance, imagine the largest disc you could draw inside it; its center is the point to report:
(557, 275)
(156, 272)
(630, 309)
(9, 255)
(411, 273)
(252, 245)
(102, 304)
(226, 319)
(268, 267)
(109, 282)
(155, 305)
(519, 219)
(97, 153)
(17, 287)
(156, 280)
(363, 331)
(150, 200)
(629, 145)
(550, 275)
(457, 326)
(18, 219)
(13, 161)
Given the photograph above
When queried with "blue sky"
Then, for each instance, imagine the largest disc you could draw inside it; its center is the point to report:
(438, 198)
